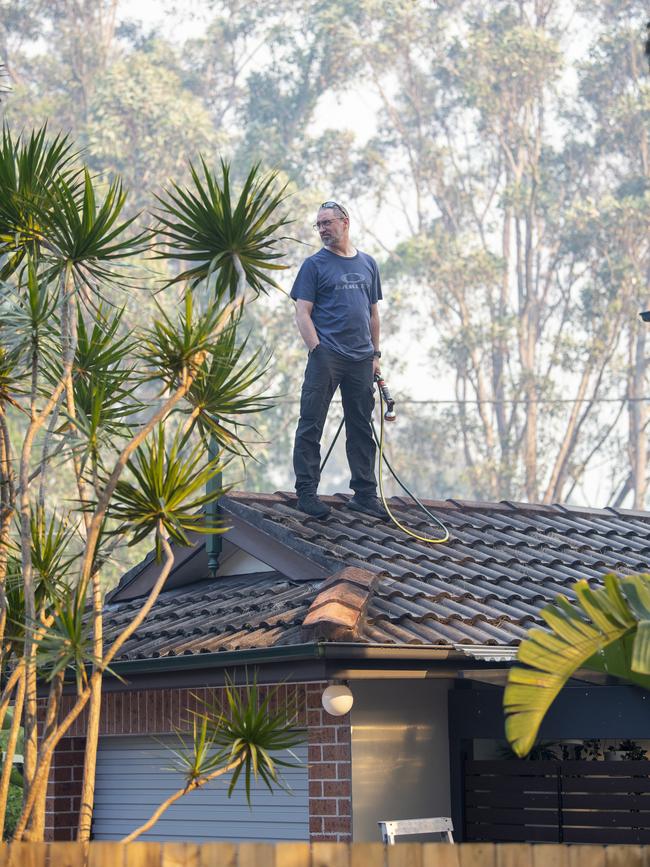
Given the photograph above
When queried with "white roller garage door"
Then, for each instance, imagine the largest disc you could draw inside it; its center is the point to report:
(133, 778)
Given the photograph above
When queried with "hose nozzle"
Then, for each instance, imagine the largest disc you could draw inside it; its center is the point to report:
(389, 414)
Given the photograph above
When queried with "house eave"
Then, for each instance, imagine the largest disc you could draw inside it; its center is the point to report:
(336, 652)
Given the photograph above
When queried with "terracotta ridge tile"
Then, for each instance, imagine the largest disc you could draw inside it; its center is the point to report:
(339, 611)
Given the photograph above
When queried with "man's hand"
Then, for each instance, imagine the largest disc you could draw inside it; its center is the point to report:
(375, 367)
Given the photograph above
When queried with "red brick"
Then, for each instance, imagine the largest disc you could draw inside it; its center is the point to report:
(62, 774)
(315, 825)
(344, 806)
(315, 753)
(322, 771)
(152, 722)
(337, 824)
(77, 772)
(337, 789)
(133, 713)
(324, 735)
(60, 788)
(71, 758)
(336, 752)
(314, 717)
(315, 789)
(322, 807)
(118, 726)
(343, 734)
(320, 838)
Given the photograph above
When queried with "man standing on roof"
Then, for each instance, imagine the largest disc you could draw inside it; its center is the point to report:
(336, 294)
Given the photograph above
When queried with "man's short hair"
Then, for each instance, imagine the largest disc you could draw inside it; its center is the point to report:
(336, 207)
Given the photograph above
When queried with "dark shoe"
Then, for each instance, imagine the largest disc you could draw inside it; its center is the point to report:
(310, 504)
(370, 505)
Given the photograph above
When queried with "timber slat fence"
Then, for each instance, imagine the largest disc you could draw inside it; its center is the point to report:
(320, 855)
(558, 802)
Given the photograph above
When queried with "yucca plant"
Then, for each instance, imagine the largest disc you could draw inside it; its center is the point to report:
(606, 629)
(124, 410)
(169, 489)
(221, 393)
(29, 170)
(248, 738)
(223, 243)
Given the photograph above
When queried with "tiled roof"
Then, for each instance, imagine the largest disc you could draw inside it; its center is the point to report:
(504, 562)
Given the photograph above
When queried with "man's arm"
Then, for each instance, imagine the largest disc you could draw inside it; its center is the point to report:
(305, 324)
(374, 334)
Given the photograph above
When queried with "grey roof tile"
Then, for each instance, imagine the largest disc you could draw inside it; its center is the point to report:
(486, 585)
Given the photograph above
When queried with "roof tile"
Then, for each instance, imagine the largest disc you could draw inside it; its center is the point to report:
(503, 563)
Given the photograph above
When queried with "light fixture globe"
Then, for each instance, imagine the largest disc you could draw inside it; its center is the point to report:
(337, 699)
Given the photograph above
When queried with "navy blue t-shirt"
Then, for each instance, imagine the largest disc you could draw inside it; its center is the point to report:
(341, 289)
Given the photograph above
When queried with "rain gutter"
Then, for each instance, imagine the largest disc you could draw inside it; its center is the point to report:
(334, 651)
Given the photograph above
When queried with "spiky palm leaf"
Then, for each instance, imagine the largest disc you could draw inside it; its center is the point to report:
(87, 234)
(607, 629)
(221, 391)
(105, 390)
(168, 488)
(29, 169)
(68, 641)
(29, 323)
(52, 546)
(170, 348)
(201, 227)
(248, 728)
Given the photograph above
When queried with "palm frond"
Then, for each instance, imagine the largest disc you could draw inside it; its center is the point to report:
(29, 170)
(168, 488)
(201, 226)
(221, 394)
(600, 631)
(256, 730)
(87, 234)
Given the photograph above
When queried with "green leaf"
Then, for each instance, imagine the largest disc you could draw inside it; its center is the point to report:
(579, 632)
(201, 226)
(168, 487)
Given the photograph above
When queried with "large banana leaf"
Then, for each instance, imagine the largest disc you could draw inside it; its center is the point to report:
(607, 630)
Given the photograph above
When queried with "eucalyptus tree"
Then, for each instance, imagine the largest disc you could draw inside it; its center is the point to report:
(129, 409)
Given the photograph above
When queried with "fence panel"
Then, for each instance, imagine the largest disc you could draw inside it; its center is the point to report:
(321, 855)
(558, 802)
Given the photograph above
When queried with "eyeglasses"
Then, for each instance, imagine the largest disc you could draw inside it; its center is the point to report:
(325, 224)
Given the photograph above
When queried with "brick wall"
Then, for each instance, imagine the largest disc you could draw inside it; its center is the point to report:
(160, 711)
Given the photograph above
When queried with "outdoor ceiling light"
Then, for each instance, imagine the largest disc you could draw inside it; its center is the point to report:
(337, 699)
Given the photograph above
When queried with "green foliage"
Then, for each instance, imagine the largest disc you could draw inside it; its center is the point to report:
(606, 629)
(201, 226)
(105, 393)
(67, 645)
(220, 394)
(53, 551)
(173, 348)
(168, 490)
(14, 806)
(250, 729)
(29, 171)
(79, 231)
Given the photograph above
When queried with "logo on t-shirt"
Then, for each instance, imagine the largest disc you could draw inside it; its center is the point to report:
(352, 281)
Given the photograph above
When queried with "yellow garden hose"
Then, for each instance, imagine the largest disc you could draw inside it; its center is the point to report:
(384, 460)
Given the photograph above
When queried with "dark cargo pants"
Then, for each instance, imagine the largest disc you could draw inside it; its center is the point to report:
(326, 371)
